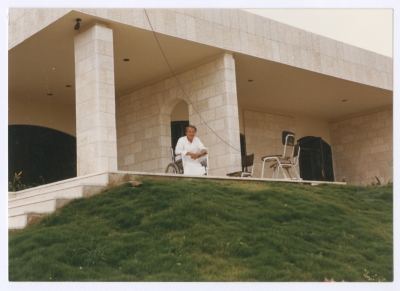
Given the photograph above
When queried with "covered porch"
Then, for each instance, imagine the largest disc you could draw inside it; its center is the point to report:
(254, 86)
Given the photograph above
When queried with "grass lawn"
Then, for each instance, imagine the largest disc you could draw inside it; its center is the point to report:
(186, 230)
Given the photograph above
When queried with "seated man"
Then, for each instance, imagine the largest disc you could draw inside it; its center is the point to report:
(190, 147)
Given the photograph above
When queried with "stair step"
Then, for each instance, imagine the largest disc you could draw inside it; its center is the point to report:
(31, 205)
(35, 217)
(61, 202)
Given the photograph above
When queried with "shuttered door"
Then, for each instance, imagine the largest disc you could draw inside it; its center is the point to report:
(177, 131)
(315, 159)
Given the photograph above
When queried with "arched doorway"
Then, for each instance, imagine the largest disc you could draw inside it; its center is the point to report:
(40, 152)
(315, 159)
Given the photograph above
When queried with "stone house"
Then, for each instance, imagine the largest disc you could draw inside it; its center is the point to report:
(117, 79)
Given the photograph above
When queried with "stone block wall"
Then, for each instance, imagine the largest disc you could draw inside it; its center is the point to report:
(143, 118)
(263, 132)
(140, 133)
(95, 101)
(362, 148)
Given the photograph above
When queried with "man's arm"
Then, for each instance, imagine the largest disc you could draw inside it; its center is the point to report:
(203, 149)
(180, 148)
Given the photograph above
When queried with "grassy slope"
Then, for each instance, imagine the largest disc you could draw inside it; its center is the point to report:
(199, 230)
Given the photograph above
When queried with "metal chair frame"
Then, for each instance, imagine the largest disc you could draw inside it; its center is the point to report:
(289, 164)
(247, 161)
(288, 140)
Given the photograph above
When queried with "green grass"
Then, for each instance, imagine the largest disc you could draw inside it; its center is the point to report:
(198, 230)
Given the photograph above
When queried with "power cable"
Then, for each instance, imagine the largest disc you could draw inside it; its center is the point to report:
(183, 90)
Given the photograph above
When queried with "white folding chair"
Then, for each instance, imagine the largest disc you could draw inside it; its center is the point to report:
(288, 141)
(288, 164)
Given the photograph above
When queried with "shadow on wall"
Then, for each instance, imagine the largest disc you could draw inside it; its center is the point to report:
(43, 155)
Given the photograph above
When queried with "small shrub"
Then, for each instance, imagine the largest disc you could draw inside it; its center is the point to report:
(17, 185)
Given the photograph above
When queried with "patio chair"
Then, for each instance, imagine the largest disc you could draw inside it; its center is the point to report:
(247, 161)
(289, 164)
(286, 157)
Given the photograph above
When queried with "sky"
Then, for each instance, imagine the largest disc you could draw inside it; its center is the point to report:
(371, 29)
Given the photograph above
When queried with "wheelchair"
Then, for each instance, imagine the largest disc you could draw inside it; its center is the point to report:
(177, 166)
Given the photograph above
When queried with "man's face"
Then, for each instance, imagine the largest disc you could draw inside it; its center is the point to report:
(190, 133)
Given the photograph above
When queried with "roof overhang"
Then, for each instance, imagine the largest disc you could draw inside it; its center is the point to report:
(44, 63)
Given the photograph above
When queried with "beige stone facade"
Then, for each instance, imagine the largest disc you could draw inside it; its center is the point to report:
(233, 30)
(127, 127)
(143, 118)
(363, 148)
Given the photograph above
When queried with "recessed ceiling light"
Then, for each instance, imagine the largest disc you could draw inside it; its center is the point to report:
(126, 60)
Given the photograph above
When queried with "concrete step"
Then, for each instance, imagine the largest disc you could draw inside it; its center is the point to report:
(20, 221)
(34, 217)
(33, 201)
(30, 205)
(29, 218)
(97, 178)
(28, 211)
(44, 201)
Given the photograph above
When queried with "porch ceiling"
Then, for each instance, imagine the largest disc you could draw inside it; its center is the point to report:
(44, 64)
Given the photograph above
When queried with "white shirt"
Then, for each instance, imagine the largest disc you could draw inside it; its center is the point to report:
(184, 145)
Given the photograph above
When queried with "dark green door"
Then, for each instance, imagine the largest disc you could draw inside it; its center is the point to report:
(177, 131)
(315, 159)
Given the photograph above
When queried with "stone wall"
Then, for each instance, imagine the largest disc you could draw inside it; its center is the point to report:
(263, 132)
(143, 118)
(362, 148)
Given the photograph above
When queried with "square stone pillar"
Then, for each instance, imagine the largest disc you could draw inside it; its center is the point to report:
(95, 101)
(214, 111)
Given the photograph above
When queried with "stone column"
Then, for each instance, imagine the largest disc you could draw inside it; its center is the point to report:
(95, 101)
(214, 110)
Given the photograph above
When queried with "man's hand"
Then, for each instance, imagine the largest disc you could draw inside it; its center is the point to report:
(192, 155)
(196, 155)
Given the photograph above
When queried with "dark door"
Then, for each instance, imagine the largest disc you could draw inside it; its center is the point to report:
(177, 130)
(315, 159)
(242, 145)
(43, 155)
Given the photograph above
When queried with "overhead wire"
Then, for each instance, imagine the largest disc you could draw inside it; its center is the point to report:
(180, 85)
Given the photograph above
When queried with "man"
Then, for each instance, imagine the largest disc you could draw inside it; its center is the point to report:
(190, 147)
